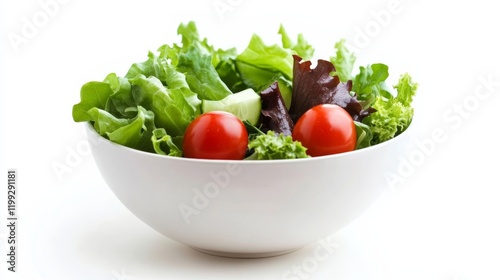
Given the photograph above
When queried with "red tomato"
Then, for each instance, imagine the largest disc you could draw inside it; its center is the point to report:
(215, 135)
(325, 129)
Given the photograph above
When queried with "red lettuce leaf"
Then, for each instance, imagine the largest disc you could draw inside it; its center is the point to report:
(275, 116)
(316, 86)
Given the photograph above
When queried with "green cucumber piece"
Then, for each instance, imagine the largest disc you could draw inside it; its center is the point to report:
(246, 105)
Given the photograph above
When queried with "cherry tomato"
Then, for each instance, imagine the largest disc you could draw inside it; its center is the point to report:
(215, 135)
(325, 129)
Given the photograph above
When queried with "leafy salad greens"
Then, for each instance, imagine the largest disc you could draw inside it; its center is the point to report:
(150, 107)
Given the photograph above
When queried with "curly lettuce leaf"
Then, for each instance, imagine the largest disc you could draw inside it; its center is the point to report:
(92, 94)
(224, 61)
(370, 83)
(201, 74)
(406, 89)
(191, 37)
(272, 146)
(275, 115)
(225, 65)
(302, 48)
(171, 106)
(105, 122)
(343, 61)
(164, 144)
(260, 65)
(316, 86)
(146, 68)
(122, 99)
(133, 133)
(137, 133)
(394, 114)
(199, 61)
(364, 135)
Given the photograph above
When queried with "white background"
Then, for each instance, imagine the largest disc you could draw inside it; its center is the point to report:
(441, 223)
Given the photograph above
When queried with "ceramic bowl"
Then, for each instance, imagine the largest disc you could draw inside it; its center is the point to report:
(246, 208)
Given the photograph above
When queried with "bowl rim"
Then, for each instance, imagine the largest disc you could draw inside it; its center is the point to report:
(90, 128)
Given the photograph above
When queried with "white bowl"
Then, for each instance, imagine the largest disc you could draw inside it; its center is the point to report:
(245, 208)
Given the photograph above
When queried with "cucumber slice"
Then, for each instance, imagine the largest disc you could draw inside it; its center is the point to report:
(245, 105)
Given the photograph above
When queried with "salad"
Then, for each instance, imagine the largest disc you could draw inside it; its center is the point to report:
(191, 99)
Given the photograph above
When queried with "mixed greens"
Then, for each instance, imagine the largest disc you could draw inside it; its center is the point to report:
(151, 106)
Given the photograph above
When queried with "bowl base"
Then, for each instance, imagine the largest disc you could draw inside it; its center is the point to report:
(245, 255)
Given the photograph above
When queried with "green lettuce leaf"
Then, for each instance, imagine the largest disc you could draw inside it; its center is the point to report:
(224, 61)
(301, 48)
(134, 133)
(121, 99)
(145, 68)
(105, 122)
(406, 90)
(92, 94)
(225, 65)
(364, 135)
(343, 61)
(151, 106)
(260, 65)
(137, 133)
(189, 33)
(174, 108)
(201, 74)
(394, 114)
(370, 83)
(163, 143)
